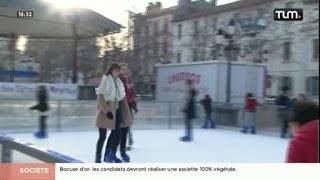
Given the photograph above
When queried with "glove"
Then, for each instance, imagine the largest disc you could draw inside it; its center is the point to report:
(110, 115)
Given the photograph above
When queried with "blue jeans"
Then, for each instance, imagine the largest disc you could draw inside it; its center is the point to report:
(188, 126)
(208, 119)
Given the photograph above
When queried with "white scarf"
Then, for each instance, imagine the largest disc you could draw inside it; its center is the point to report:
(111, 89)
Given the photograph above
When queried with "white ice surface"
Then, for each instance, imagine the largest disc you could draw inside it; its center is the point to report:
(163, 146)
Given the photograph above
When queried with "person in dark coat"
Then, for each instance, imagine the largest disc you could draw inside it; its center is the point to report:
(189, 110)
(284, 102)
(42, 106)
(207, 105)
(304, 123)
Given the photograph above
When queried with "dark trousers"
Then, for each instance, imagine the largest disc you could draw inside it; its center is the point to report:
(284, 124)
(43, 123)
(208, 120)
(188, 125)
(130, 136)
(115, 136)
(123, 141)
(129, 131)
(284, 128)
(102, 138)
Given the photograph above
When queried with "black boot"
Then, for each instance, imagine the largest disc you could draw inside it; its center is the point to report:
(253, 130)
(106, 153)
(124, 156)
(98, 158)
(244, 129)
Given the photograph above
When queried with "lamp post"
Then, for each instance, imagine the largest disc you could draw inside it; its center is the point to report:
(75, 21)
(229, 49)
(13, 42)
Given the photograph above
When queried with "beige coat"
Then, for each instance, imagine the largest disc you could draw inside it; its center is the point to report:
(102, 121)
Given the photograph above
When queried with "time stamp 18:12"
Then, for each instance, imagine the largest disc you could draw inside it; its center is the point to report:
(25, 14)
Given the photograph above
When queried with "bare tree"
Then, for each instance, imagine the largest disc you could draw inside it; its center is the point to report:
(54, 58)
(88, 56)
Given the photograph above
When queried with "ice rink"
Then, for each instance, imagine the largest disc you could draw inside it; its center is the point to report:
(163, 146)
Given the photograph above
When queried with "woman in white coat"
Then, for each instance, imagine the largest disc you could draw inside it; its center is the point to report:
(109, 93)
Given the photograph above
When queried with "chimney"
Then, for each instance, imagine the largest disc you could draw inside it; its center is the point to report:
(150, 6)
(154, 7)
(213, 2)
(159, 5)
(183, 2)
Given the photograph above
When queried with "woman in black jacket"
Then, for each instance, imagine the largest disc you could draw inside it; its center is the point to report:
(42, 106)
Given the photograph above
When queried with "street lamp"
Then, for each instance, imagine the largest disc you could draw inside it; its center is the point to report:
(230, 51)
(74, 25)
(13, 42)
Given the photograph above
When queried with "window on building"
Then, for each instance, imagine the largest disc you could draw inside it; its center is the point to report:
(165, 27)
(195, 55)
(146, 53)
(164, 47)
(147, 31)
(312, 87)
(179, 57)
(155, 49)
(316, 49)
(288, 4)
(286, 81)
(156, 28)
(214, 54)
(269, 81)
(287, 51)
(203, 55)
(196, 29)
(179, 31)
(214, 25)
(261, 12)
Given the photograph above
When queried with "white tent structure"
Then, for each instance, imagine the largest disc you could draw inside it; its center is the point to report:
(48, 22)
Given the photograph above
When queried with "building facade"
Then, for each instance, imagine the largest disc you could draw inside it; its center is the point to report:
(152, 42)
(246, 31)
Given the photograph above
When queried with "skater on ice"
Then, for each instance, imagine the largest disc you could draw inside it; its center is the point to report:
(250, 114)
(43, 107)
(128, 83)
(111, 103)
(207, 106)
(189, 110)
(284, 102)
(125, 117)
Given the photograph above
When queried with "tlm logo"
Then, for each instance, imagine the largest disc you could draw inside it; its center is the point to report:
(288, 14)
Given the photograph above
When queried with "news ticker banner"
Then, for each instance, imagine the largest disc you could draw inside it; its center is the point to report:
(205, 171)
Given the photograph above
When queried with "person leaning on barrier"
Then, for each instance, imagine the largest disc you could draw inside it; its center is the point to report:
(304, 123)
